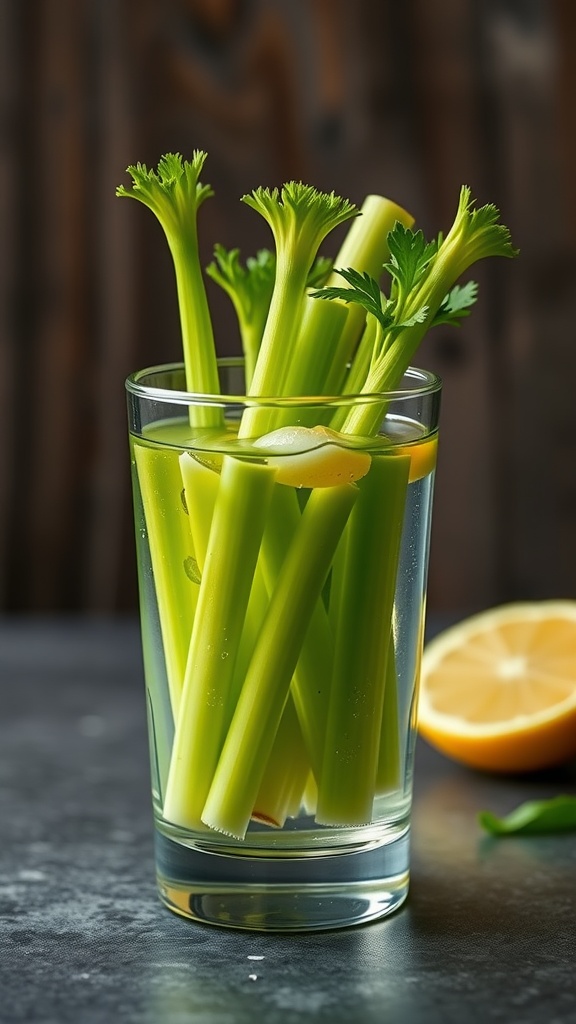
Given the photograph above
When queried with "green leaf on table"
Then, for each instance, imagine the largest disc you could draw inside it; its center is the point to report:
(535, 817)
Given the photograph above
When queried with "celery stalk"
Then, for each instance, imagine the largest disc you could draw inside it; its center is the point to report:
(174, 193)
(388, 774)
(251, 734)
(286, 773)
(171, 544)
(200, 490)
(250, 290)
(260, 598)
(239, 517)
(423, 294)
(314, 349)
(362, 639)
(300, 218)
(311, 677)
(366, 249)
(358, 370)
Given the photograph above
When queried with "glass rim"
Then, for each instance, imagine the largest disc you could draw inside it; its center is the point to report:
(426, 383)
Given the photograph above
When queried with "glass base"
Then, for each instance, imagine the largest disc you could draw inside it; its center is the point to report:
(283, 891)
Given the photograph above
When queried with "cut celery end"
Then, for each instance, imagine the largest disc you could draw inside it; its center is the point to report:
(282, 787)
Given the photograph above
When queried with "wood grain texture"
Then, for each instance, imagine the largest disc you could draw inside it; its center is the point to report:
(410, 100)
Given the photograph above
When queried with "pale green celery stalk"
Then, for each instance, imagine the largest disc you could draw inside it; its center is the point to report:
(300, 217)
(201, 485)
(423, 276)
(200, 490)
(174, 193)
(348, 777)
(170, 543)
(366, 249)
(289, 764)
(285, 774)
(388, 774)
(239, 518)
(310, 796)
(420, 291)
(311, 678)
(250, 290)
(314, 349)
(251, 734)
(359, 369)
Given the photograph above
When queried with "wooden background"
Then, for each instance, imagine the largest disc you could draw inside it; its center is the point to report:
(408, 99)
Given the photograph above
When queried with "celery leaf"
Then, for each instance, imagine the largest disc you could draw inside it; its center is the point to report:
(365, 291)
(456, 304)
(410, 255)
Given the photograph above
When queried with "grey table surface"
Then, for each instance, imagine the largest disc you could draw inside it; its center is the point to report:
(488, 932)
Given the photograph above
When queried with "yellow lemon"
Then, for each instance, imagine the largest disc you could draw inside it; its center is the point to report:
(498, 690)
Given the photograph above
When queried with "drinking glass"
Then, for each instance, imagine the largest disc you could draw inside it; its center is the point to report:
(282, 554)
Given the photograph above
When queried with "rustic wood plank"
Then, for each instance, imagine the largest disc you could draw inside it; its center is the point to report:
(53, 516)
(108, 547)
(542, 450)
(410, 100)
(9, 191)
(446, 74)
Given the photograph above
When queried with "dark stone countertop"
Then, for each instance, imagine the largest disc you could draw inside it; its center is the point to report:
(488, 932)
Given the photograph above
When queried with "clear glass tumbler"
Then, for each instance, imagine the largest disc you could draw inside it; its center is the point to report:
(282, 549)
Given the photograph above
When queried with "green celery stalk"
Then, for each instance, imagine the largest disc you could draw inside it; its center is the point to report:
(286, 773)
(239, 518)
(310, 796)
(174, 193)
(311, 677)
(363, 357)
(423, 294)
(388, 774)
(314, 349)
(251, 734)
(362, 641)
(200, 489)
(170, 544)
(250, 290)
(300, 217)
(366, 249)
(216, 771)
(358, 370)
